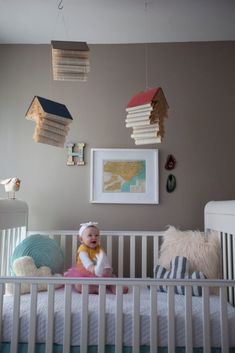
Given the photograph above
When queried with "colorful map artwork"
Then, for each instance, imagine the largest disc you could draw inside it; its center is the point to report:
(124, 176)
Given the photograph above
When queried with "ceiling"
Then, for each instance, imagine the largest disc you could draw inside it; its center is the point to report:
(116, 21)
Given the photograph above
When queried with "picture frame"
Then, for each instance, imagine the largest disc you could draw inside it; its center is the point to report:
(125, 176)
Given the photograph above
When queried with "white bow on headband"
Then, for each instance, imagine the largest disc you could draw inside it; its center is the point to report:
(86, 225)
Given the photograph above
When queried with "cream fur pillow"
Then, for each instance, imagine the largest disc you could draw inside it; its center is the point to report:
(25, 266)
(203, 252)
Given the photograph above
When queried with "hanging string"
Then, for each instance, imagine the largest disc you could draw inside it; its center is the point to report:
(146, 44)
(60, 6)
(60, 18)
(65, 27)
(55, 36)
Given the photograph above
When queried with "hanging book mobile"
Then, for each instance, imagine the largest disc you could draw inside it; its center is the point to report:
(70, 61)
(146, 112)
(52, 121)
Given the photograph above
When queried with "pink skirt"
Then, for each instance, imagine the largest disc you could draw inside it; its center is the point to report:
(78, 272)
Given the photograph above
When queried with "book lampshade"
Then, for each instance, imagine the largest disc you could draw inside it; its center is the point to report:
(146, 112)
(70, 60)
(52, 121)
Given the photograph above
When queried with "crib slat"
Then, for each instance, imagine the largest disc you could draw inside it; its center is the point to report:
(50, 318)
(22, 234)
(229, 262)
(74, 249)
(10, 236)
(14, 237)
(136, 320)
(188, 320)
(132, 256)
(2, 258)
(101, 329)
(18, 236)
(171, 319)
(224, 247)
(13, 244)
(67, 318)
(33, 318)
(16, 315)
(120, 255)
(4, 251)
(224, 320)
(84, 319)
(206, 319)
(109, 248)
(233, 288)
(63, 244)
(153, 319)
(144, 257)
(1, 308)
(155, 250)
(119, 320)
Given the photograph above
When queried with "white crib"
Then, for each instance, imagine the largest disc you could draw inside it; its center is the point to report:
(144, 320)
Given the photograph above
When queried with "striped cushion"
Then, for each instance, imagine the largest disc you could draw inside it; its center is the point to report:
(179, 268)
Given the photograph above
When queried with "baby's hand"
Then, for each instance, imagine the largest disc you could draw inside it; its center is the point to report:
(107, 272)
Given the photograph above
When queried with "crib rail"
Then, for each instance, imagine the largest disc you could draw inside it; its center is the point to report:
(228, 263)
(13, 226)
(9, 238)
(135, 286)
(131, 253)
(220, 216)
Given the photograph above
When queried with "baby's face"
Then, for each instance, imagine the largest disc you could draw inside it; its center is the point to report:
(91, 237)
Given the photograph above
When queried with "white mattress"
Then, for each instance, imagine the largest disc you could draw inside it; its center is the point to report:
(110, 323)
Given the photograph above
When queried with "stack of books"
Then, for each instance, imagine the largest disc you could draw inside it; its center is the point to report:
(52, 121)
(146, 112)
(70, 61)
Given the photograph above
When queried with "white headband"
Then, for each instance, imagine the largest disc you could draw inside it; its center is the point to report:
(85, 226)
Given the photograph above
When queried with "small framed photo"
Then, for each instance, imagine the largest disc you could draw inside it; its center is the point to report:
(124, 176)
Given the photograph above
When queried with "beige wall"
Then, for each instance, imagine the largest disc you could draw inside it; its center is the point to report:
(199, 83)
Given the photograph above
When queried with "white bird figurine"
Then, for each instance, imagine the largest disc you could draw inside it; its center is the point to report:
(11, 186)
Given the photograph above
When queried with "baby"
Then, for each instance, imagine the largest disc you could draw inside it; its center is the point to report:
(91, 258)
(90, 255)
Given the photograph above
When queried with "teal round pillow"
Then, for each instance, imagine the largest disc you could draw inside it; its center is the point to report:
(44, 250)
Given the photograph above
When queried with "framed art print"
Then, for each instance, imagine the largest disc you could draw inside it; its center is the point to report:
(124, 176)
